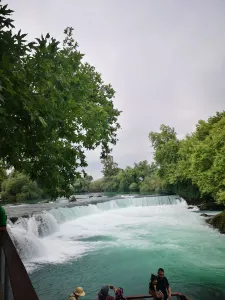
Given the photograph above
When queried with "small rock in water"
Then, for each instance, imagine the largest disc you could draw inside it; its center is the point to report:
(13, 219)
(190, 207)
(25, 216)
(72, 199)
(44, 201)
(206, 215)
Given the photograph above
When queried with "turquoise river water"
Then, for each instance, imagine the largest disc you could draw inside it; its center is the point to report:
(122, 242)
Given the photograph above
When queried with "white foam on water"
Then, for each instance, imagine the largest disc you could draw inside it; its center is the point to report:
(61, 234)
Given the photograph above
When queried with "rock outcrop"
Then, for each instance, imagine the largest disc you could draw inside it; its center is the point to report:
(211, 206)
(218, 221)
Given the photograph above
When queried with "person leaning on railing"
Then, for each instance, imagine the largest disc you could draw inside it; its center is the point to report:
(3, 219)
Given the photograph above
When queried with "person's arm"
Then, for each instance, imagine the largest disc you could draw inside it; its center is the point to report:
(169, 292)
(152, 291)
(168, 288)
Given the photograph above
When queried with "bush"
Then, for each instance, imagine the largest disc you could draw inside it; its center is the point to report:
(96, 186)
(19, 187)
(151, 184)
(134, 187)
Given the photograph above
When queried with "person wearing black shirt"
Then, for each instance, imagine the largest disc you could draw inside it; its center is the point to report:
(162, 285)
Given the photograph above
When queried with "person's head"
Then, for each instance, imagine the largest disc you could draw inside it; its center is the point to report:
(153, 279)
(79, 292)
(160, 273)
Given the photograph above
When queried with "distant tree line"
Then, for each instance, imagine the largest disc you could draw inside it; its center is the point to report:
(193, 167)
(142, 177)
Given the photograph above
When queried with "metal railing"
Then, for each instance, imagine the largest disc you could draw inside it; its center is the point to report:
(15, 283)
(142, 297)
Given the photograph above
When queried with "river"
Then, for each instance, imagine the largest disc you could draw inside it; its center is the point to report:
(121, 242)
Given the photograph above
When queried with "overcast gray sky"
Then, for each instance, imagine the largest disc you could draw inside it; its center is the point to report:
(164, 58)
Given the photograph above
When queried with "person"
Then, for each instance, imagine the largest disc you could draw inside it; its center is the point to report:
(3, 219)
(163, 284)
(119, 294)
(78, 292)
(104, 292)
(157, 294)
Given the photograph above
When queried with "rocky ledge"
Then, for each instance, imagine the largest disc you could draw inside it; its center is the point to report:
(211, 206)
(218, 221)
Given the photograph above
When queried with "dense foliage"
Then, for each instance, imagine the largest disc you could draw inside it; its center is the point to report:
(141, 178)
(82, 184)
(19, 187)
(195, 166)
(52, 107)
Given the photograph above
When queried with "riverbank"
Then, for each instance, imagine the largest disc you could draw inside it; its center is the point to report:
(202, 204)
(218, 222)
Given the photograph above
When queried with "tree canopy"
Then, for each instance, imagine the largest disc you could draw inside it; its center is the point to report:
(53, 107)
(141, 177)
(194, 165)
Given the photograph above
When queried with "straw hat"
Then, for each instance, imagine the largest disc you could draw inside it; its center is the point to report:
(79, 291)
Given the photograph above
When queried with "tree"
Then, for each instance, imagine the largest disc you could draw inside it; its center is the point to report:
(151, 183)
(195, 166)
(134, 187)
(19, 187)
(96, 186)
(110, 168)
(166, 146)
(143, 169)
(82, 184)
(52, 107)
(3, 174)
(208, 160)
(126, 178)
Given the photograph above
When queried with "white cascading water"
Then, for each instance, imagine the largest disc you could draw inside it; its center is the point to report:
(31, 235)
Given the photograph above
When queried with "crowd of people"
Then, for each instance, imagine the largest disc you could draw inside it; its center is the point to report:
(159, 288)
(102, 295)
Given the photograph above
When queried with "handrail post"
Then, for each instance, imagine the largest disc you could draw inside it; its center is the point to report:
(6, 285)
(2, 272)
(3, 220)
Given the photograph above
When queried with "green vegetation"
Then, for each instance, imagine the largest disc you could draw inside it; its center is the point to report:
(18, 187)
(141, 178)
(96, 186)
(82, 184)
(3, 174)
(195, 166)
(53, 107)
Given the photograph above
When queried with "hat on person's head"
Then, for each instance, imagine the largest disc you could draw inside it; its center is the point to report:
(79, 291)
